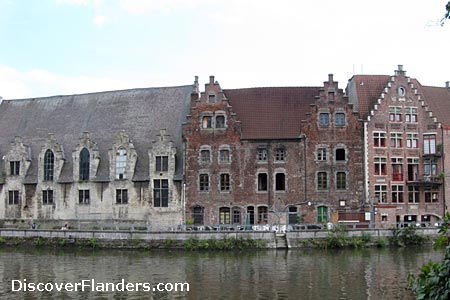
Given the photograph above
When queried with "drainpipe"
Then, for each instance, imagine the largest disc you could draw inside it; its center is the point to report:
(443, 170)
(368, 200)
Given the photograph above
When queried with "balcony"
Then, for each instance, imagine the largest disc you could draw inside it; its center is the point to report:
(426, 180)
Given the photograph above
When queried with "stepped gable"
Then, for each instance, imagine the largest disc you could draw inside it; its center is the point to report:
(438, 100)
(271, 112)
(139, 113)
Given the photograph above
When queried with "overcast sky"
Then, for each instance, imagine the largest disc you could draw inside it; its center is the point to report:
(52, 47)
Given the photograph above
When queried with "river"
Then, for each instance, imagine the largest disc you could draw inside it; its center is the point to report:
(264, 274)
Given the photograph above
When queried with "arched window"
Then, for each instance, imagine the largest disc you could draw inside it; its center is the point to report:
(84, 164)
(49, 165)
(121, 163)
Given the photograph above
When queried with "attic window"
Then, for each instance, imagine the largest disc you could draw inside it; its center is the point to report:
(401, 91)
(211, 98)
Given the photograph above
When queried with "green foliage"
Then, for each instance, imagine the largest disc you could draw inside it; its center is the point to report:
(382, 242)
(402, 237)
(92, 242)
(2, 240)
(434, 280)
(338, 238)
(39, 242)
(223, 244)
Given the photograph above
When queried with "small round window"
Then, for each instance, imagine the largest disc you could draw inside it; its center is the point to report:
(401, 91)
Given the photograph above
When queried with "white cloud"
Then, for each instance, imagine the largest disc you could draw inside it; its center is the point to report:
(100, 20)
(17, 84)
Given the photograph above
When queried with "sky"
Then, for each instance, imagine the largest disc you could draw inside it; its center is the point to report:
(54, 47)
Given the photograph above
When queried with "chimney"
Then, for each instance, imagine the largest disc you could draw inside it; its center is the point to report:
(400, 70)
(447, 85)
(330, 78)
(211, 79)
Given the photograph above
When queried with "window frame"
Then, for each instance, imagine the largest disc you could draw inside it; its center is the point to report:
(121, 196)
(121, 164)
(341, 183)
(160, 193)
(340, 121)
(322, 181)
(324, 119)
(161, 163)
(14, 167)
(204, 182)
(84, 165)
(379, 139)
(84, 197)
(225, 182)
(47, 197)
(49, 165)
(14, 197)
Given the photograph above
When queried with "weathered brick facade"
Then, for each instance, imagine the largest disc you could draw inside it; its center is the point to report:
(273, 178)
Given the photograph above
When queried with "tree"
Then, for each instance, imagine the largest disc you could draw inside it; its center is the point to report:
(434, 280)
(447, 13)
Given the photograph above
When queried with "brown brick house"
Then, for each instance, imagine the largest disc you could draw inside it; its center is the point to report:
(274, 154)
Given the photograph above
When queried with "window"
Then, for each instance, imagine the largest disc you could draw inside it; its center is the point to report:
(395, 114)
(340, 154)
(379, 165)
(322, 181)
(262, 154)
(205, 156)
(379, 139)
(293, 217)
(206, 122)
(280, 184)
(121, 196)
(413, 169)
(14, 167)
(401, 91)
(339, 119)
(204, 182)
(47, 197)
(161, 193)
(341, 180)
(413, 194)
(197, 215)
(396, 140)
(430, 166)
(280, 154)
(397, 193)
(397, 168)
(429, 143)
(322, 214)
(324, 119)
(262, 182)
(224, 215)
(381, 192)
(412, 140)
(162, 163)
(121, 163)
(13, 197)
(224, 156)
(431, 194)
(83, 197)
(224, 182)
(84, 164)
(250, 215)
(220, 121)
(322, 154)
(49, 165)
(236, 215)
(262, 214)
(411, 114)
(211, 98)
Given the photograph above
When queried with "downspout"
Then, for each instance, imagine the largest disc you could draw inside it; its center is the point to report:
(443, 170)
(368, 200)
(269, 170)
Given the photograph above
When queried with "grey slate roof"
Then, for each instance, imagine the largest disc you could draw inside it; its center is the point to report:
(141, 113)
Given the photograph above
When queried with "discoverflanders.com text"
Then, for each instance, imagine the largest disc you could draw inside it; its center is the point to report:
(96, 286)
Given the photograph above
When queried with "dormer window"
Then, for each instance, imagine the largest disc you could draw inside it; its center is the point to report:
(49, 165)
(162, 163)
(14, 168)
(84, 164)
(121, 163)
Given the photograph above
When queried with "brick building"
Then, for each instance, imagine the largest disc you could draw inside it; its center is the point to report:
(405, 134)
(270, 155)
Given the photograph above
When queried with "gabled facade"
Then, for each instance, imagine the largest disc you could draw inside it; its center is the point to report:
(270, 143)
(404, 149)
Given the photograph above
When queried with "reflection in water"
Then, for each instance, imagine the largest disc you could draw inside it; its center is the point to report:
(295, 274)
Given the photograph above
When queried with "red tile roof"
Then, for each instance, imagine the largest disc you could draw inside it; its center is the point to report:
(368, 90)
(438, 100)
(271, 112)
